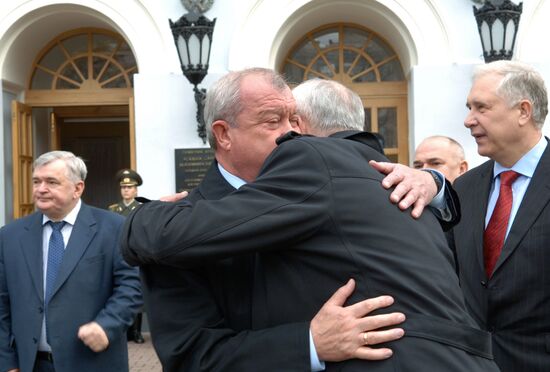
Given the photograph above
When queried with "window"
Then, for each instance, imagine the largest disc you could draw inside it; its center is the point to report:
(365, 63)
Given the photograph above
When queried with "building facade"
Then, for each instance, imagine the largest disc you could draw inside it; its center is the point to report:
(102, 78)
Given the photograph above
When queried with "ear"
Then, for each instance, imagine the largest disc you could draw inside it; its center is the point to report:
(220, 130)
(525, 112)
(79, 189)
(301, 125)
(463, 166)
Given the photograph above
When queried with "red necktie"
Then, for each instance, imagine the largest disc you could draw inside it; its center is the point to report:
(495, 232)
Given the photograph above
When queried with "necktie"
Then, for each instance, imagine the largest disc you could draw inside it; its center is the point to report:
(56, 248)
(495, 232)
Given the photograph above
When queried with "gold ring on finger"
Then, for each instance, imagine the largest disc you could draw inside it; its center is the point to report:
(366, 338)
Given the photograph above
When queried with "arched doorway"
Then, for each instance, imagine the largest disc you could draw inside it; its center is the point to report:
(79, 98)
(364, 62)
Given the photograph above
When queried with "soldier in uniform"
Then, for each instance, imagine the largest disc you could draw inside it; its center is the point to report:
(129, 180)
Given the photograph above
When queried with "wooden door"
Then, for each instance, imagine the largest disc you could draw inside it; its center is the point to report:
(388, 116)
(22, 154)
(54, 132)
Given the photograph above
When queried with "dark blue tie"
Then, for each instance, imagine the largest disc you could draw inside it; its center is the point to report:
(56, 248)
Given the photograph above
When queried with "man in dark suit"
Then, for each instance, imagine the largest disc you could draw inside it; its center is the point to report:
(66, 295)
(317, 214)
(200, 319)
(508, 290)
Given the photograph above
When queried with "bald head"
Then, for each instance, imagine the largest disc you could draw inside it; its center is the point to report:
(443, 154)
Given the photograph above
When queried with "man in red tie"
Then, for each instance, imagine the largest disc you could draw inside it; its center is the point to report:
(503, 240)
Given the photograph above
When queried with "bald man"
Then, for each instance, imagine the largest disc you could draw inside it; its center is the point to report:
(443, 154)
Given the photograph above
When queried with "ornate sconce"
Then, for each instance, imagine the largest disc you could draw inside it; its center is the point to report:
(193, 38)
(497, 23)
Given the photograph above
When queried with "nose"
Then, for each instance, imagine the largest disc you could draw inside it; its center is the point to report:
(40, 186)
(469, 120)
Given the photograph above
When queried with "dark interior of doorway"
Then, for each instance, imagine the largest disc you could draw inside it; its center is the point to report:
(103, 143)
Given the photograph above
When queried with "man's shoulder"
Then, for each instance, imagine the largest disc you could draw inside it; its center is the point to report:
(20, 223)
(470, 180)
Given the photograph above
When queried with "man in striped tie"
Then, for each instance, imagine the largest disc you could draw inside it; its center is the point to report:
(503, 239)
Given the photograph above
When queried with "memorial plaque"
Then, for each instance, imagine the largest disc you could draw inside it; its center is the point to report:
(191, 166)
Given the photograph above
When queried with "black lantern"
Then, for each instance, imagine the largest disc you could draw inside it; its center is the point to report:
(497, 23)
(193, 37)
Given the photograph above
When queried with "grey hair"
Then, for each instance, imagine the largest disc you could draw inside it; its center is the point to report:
(519, 81)
(223, 100)
(76, 169)
(329, 106)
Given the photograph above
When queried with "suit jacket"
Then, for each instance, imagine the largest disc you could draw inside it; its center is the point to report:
(200, 319)
(318, 215)
(514, 304)
(93, 284)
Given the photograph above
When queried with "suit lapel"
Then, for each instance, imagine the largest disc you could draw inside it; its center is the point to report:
(83, 232)
(535, 200)
(31, 245)
(481, 198)
(214, 186)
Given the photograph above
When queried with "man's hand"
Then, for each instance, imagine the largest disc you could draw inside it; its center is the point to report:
(93, 336)
(413, 187)
(174, 197)
(341, 333)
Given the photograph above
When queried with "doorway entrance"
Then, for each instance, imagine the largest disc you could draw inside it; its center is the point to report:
(100, 136)
(79, 98)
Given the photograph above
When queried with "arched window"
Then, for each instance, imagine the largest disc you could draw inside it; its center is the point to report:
(365, 63)
(83, 63)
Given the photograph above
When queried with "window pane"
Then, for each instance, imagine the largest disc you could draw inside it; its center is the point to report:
(368, 120)
(293, 73)
(125, 57)
(111, 71)
(82, 64)
(103, 44)
(41, 80)
(76, 45)
(321, 66)
(362, 65)
(304, 53)
(332, 57)
(349, 58)
(391, 71)
(378, 50)
(387, 125)
(62, 84)
(327, 38)
(98, 64)
(355, 38)
(69, 72)
(119, 82)
(53, 58)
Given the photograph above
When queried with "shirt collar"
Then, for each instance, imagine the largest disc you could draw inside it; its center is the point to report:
(233, 180)
(528, 163)
(70, 218)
